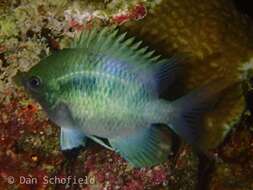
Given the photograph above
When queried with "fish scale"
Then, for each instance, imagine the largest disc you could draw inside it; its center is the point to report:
(114, 84)
(117, 105)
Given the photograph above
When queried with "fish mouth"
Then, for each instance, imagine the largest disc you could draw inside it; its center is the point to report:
(19, 79)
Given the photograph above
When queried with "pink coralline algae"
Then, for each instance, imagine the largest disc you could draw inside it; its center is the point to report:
(22, 153)
(79, 21)
(136, 13)
(112, 172)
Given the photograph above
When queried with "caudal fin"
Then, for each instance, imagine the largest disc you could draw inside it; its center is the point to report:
(187, 112)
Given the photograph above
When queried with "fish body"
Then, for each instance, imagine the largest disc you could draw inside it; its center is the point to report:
(112, 93)
(107, 87)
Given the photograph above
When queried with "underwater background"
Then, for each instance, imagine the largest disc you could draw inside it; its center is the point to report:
(217, 39)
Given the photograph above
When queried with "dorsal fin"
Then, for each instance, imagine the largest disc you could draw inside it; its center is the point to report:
(108, 41)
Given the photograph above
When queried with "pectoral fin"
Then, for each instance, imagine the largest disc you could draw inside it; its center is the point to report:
(146, 147)
(72, 138)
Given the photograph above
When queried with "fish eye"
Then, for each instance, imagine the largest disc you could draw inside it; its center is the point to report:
(34, 82)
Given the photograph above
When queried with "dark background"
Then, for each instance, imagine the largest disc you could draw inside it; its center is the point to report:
(245, 6)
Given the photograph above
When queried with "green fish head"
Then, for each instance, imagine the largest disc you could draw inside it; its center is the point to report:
(32, 81)
(35, 84)
(40, 80)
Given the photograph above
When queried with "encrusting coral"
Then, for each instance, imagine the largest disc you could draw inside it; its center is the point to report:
(217, 42)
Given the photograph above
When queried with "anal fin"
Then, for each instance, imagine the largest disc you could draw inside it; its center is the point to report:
(100, 141)
(144, 148)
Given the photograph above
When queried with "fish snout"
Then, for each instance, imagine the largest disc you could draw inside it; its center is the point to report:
(19, 79)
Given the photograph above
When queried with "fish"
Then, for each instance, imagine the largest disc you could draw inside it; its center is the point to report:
(105, 86)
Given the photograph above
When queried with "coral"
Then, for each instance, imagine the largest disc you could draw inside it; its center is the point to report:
(216, 41)
(234, 169)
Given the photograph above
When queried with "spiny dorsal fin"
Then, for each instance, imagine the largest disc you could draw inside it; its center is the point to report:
(108, 41)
